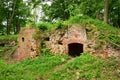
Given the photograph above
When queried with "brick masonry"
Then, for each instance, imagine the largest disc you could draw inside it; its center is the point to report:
(60, 39)
(27, 45)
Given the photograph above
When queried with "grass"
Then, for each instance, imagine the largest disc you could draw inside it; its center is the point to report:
(87, 67)
(3, 50)
(6, 52)
(5, 45)
(101, 32)
(30, 69)
(106, 34)
(5, 42)
(82, 67)
(8, 37)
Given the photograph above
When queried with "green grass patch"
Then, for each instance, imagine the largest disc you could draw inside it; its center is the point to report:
(87, 67)
(8, 37)
(82, 67)
(30, 69)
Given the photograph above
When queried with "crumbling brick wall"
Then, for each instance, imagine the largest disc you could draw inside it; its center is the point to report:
(27, 45)
(60, 39)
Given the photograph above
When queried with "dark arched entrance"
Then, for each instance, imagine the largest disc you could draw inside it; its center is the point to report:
(74, 49)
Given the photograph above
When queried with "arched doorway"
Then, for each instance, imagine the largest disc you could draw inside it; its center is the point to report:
(75, 49)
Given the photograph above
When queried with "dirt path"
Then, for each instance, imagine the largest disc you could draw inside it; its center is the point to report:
(59, 67)
(62, 65)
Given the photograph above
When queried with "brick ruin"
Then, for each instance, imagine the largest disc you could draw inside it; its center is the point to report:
(27, 45)
(71, 41)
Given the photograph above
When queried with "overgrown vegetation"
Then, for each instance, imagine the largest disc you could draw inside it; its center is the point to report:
(18, 13)
(82, 67)
(8, 37)
(7, 52)
(104, 33)
(6, 49)
(31, 69)
(101, 32)
(87, 67)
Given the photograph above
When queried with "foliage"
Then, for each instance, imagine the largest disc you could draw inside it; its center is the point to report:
(14, 13)
(56, 10)
(64, 9)
(114, 11)
(45, 26)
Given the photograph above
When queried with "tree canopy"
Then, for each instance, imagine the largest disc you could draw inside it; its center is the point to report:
(13, 13)
(64, 9)
(16, 13)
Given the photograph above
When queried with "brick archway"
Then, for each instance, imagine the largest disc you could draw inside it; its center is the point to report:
(75, 49)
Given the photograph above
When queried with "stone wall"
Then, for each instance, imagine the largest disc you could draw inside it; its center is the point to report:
(27, 45)
(59, 40)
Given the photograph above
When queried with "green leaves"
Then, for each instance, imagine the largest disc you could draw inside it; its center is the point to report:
(13, 14)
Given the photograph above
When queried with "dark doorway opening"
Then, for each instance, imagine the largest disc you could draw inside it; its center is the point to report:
(22, 39)
(2, 44)
(47, 39)
(75, 49)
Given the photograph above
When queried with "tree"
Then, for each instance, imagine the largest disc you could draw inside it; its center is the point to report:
(106, 11)
(57, 10)
(63, 9)
(11, 17)
(114, 13)
(14, 13)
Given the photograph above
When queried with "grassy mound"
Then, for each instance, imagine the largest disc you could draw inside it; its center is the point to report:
(83, 67)
(97, 30)
(30, 69)
(87, 67)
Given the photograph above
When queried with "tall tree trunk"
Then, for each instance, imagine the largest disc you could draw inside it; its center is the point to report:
(106, 6)
(11, 18)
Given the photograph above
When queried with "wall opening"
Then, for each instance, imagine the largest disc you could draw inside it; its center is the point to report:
(22, 39)
(47, 39)
(60, 42)
(2, 44)
(75, 49)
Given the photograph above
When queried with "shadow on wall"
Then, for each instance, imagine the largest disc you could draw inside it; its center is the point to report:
(75, 49)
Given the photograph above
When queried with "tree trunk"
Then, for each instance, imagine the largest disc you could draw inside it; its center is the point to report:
(106, 6)
(11, 18)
